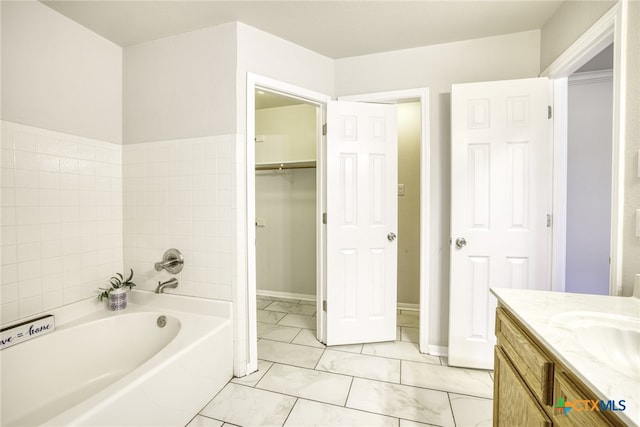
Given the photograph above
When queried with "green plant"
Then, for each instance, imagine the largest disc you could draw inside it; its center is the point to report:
(118, 281)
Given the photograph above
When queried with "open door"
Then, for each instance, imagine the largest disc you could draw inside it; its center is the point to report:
(361, 223)
(500, 206)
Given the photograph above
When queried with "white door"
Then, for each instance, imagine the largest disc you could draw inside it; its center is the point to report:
(500, 198)
(361, 222)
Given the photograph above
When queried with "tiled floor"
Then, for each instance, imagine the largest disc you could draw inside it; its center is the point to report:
(301, 382)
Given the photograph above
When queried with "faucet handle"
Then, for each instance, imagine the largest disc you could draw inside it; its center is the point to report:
(172, 261)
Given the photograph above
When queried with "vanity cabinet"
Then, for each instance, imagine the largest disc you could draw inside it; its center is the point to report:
(529, 380)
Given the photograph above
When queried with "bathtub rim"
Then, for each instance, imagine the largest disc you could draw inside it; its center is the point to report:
(194, 309)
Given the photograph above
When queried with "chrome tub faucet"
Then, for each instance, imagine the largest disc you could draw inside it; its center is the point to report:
(171, 283)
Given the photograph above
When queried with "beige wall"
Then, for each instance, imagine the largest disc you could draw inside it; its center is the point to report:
(181, 86)
(409, 204)
(286, 134)
(57, 75)
(437, 67)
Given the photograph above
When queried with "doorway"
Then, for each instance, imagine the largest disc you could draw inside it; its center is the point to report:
(589, 180)
(285, 195)
(413, 121)
(606, 31)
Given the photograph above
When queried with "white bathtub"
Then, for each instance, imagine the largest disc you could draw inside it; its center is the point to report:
(102, 368)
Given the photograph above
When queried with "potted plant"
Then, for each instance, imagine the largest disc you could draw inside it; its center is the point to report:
(117, 292)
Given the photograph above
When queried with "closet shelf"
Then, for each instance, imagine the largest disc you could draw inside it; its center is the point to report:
(306, 164)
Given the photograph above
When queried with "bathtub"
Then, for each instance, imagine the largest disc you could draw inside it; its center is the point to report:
(103, 368)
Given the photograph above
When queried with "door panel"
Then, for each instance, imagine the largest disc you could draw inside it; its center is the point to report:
(361, 214)
(500, 198)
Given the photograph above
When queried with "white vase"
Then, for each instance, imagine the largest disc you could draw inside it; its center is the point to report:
(118, 299)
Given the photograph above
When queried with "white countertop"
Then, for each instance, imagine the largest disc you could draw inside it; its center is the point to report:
(536, 310)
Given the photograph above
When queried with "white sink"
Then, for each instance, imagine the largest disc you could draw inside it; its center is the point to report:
(612, 339)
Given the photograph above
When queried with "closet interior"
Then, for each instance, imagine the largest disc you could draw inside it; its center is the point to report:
(286, 132)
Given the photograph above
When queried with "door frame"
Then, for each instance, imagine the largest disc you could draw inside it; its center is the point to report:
(610, 28)
(246, 302)
(421, 95)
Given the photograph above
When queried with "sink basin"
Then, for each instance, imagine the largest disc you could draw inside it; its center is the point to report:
(612, 339)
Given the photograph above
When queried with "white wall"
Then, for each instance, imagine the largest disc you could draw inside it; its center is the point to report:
(57, 75)
(589, 184)
(437, 67)
(270, 56)
(61, 192)
(181, 86)
(178, 194)
(61, 200)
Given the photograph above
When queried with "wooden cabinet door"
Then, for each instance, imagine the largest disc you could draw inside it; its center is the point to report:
(513, 402)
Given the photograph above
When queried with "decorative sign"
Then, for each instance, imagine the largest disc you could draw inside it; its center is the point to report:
(15, 334)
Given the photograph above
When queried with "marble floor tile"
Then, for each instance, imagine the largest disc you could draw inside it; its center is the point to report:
(409, 423)
(411, 403)
(359, 365)
(351, 348)
(277, 332)
(457, 380)
(289, 354)
(306, 413)
(248, 407)
(308, 302)
(307, 337)
(272, 317)
(298, 321)
(399, 350)
(262, 303)
(471, 411)
(252, 379)
(293, 308)
(200, 421)
(295, 301)
(307, 383)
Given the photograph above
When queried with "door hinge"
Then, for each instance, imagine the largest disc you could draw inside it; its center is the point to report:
(324, 129)
(324, 305)
(549, 111)
(549, 220)
(324, 217)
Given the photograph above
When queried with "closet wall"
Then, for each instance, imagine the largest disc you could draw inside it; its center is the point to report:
(286, 200)
(409, 203)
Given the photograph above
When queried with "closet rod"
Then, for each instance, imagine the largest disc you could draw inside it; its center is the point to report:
(283, 167)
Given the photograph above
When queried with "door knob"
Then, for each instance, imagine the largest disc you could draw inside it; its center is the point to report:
(391, 236)
(461, 242)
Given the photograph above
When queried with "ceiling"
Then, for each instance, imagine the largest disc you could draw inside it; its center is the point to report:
(336, 29)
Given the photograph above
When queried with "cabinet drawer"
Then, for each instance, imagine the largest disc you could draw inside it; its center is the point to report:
(513, 403)
(533, 365)
(582, 413)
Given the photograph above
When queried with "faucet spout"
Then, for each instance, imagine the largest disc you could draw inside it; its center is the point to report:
(171, 283)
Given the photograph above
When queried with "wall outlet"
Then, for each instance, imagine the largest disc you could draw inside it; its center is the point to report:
(400, 189)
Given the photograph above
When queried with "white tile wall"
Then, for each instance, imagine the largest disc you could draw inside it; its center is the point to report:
(61, 201)
(179, 194)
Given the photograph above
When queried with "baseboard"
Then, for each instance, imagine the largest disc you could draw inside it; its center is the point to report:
(408, 306)
(438, 350)
(285, 295)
